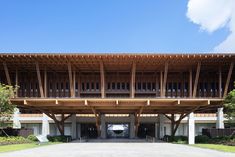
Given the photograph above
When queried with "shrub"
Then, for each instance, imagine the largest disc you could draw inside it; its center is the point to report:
(202, 139)
(59, 138)
(32, 138)
(13, 140)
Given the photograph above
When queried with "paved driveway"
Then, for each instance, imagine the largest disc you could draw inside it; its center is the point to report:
(117, 150)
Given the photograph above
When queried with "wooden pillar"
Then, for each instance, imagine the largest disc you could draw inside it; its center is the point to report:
(45, 83)
(102, 80)
(190, 83)
(39, 80)
(165, 80)
(74, 82)
(228, 79)
(71, 80)
(7, 73)
(79, 84)
(16, 84)
(161, 79)
(132, 85)
(220, 83)
(196, 79)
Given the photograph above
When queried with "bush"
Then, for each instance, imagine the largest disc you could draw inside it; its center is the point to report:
(178, 139)
(32, 138)
(13, 140)
(59, 138)
(202, 139)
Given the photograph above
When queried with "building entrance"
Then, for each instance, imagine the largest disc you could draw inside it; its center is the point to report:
(146, 129)
(120, 130)
(89, 130)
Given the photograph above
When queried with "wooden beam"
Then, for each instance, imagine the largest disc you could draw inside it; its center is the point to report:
(164, 80)
(190, 83)
(220, 83)
(71, 80)
(74, 82)
(196, 79)
(16, 84)
(138, 120)
(39, 80)
(45, 83)
(132, 85)
(228, 79)
(7, 73)
(102, 80)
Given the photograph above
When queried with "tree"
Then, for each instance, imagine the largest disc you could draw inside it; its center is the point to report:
(229, 106)
(6, 107)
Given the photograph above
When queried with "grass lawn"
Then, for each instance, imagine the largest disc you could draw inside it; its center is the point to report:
(14, 147)
(217, 147)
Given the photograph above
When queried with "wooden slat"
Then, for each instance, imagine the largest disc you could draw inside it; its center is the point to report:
(132, 85)
(39, 80)
(7, 73)
(196, 79)
(228, 79)
(102, 80)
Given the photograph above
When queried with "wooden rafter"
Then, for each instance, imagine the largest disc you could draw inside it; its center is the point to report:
(39, 79)
(165, 80)
(7, 73)
(102, 80)
(132, 86)
(228, 78)
(196, 79)
(16, 83)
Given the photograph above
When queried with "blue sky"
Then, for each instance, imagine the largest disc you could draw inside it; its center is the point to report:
(103, 26)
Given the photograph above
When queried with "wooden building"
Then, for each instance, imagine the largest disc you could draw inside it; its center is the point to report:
(136, 84)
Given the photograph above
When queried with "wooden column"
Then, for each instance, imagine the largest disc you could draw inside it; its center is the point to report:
(190, 83)
(7, 73)
(196, 79)
(228, 79)
(16, 84)
(74, 82)
(79, 83)
(39, 80)
(71, 80)
(102, 80)
(161, 79)
(132, 85)
(164, 80)
(45, 82)
(220, 83)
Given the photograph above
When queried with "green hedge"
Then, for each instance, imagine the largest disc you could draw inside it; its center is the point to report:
(202, 139)
(13, 140)
(59, 138)
(32, 138)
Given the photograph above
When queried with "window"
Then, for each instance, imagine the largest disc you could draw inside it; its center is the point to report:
(113, 85)
(149, 86)
(67, 85)
(128, 86)
(97, 86)
(108, 85)
(118, 86)
(144, 86)
(87, 86)
(83, 87)
(57, 86)
(62, 86)
(139, 86)
(76, 85)
(153, 86)
(92, 86)
(123, 85)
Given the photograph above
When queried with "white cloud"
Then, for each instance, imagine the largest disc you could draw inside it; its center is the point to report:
(212, 15)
